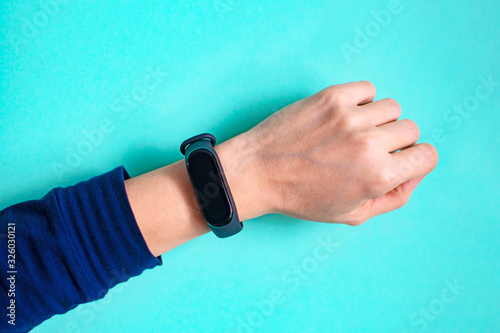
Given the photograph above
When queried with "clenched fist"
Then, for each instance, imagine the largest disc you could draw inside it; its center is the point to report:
(336, 156)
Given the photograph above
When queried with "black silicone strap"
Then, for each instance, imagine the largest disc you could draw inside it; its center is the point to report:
(197, 138)
(207, 141)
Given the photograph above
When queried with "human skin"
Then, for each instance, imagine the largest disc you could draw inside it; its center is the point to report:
(335, 157)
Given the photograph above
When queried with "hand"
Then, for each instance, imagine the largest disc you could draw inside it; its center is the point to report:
(336, 156)
(333, 157)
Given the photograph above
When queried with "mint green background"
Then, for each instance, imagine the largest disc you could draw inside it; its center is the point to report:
(230, 64)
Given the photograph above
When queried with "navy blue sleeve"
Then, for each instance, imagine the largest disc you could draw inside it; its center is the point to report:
(68, 248)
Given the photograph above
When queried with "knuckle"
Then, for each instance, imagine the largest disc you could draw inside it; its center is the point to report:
(329, 96)
(366, 140)
(430, 152)
(394, 106)
(412, 129)
(368, 85)
(380, 183)
(347, 122)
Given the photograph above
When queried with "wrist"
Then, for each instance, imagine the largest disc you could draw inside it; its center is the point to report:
(165, 206)
(246, 177)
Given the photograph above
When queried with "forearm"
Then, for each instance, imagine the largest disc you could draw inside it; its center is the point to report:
(333, 157)
(71, 247)
(336, 156)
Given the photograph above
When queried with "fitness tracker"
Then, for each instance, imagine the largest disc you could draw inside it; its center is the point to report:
(210, 185)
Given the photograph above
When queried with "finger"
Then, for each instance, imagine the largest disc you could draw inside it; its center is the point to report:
(392, 200)
(414, 162)
(382, 111)
(399, 134)
(358, 93)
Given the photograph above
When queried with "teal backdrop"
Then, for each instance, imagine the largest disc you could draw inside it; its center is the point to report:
(86, 86)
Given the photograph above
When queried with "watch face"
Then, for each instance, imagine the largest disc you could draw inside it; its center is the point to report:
(209, 187)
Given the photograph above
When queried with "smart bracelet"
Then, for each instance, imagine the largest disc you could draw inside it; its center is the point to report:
(210, 185)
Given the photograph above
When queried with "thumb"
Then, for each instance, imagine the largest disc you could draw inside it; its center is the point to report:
(392, 200)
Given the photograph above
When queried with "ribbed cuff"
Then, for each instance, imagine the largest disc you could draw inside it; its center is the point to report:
(107, 241)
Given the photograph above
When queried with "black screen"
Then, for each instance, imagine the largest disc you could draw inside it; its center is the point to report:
(209, 187)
